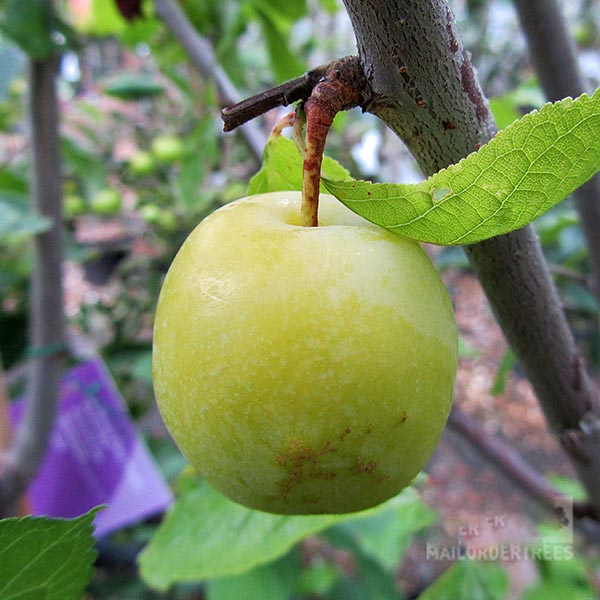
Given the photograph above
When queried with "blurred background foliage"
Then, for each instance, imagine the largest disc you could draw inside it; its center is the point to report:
(145, 160)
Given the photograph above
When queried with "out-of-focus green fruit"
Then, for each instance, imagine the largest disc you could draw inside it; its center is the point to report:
(303, 369)
(163, 218)
(168, 221)
(106, 202)
(142, 163)
(74, 205)
(167, 148)
(150, 213)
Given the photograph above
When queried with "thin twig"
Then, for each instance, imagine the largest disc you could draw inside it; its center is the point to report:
(203, 57)
(555, 57)
(284, 94)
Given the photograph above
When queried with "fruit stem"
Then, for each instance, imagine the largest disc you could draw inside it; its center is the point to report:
(318, 122)
(339, 90)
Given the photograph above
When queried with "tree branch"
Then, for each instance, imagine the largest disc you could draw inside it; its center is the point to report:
(203, 57)
(512, 465)
(555, 59)
(424, 87)
(47, 321)
(509, 461)
(285, 94)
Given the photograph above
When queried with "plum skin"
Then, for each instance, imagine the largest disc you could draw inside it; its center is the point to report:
(303, 370)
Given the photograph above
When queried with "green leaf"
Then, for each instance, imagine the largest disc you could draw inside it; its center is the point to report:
(133, 87)
(508, 362)
(504, 110)
(32, 25)
(82, 163)
(526, 169)
(285, 12)
(17, 219)
(282, 168)
(275, 581)
(368, 579)
(101, 18)
(207, 536)
(558, 590)
(469, 580)
(318, 579)
(142, 366)
(284, 63)
(568, 486)
(329, 6)
(385, 537)
(46, 559)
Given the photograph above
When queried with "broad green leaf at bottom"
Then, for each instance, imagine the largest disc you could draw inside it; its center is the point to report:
(206, 536)
(46, 559)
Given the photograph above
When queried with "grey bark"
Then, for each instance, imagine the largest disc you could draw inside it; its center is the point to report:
(424, 87)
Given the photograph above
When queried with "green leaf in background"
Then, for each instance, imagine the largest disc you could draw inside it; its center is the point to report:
(368, 578)
(469, 580)
(46, 559)
(385, 537)
(504, 111)
(284, 62)
(510, 106)
(25, 22)
(206, 536)
(17, 219)
(274, 581)
(508, 362)
(285, 13)
(78, 160)
(318, 579)
(555, 556)
(558, 590)
(133, 87)
(568, 487)
(560, 570)
(142, 366)
(99, 18)
(282, 168)
(526, 169)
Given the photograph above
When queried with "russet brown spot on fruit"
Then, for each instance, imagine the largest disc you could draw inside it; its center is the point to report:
(344, 433)
(302, 462)
(368, 467)
(365, 466)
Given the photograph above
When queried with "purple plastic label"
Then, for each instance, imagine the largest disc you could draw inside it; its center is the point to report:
(95, 456)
